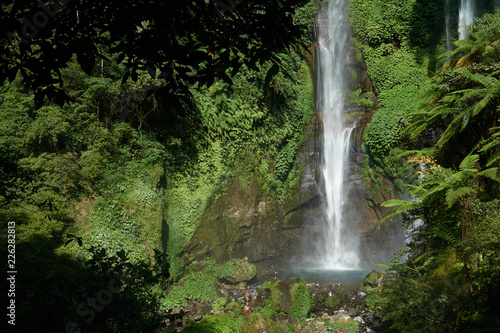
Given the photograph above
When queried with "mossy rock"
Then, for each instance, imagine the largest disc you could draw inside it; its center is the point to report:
(267, 284)
(257, 323)
(292, 297)
(244, 270)
(372, 282)
(332, 302)
(341, 291)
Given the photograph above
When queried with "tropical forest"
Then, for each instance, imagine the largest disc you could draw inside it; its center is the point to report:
(250, 166)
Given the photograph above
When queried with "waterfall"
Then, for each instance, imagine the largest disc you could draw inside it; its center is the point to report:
(465, 17)
(339, 250)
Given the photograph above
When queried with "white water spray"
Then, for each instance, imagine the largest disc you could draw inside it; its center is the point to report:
(340, 251)
(465, 17)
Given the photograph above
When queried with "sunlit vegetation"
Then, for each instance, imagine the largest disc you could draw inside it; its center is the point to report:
(110, 154)
(440, 110)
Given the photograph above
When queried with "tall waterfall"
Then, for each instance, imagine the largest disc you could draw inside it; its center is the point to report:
(340, 251)
(465, 17)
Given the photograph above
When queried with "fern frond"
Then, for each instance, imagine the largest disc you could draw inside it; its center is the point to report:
(404, 206)
(451, 131)
(446, 234)
(494, 143)
(402, 209)
(491, 96)
(394, 202)
(492, 173)
(389, 215)
(469, 162)
(452, 195)
(415, 132)
(493, 158)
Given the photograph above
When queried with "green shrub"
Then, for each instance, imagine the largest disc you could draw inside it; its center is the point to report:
(332, 301)
(349, 326)
(291, 297)
(219, 303)
(303, 302)
(193, 286)
(223, 323)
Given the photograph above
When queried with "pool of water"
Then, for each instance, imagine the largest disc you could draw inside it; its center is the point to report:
(327, 276)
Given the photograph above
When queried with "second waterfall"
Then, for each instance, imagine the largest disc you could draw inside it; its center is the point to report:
(338, 249)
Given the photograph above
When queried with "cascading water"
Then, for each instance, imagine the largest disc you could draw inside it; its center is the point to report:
(340, 249)
(465, 17)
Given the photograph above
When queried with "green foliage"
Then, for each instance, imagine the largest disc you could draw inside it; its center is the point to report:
(239, 270)
(130, 167)
(195, 285)
(482, 44)
(267, 284)
(251, 132)
(349, 326)
(363, 99)
(291, 297)
(219, 303)
(332, 301)
(303, 301)
(200, 283)
(412, 21)
(124, 33)
(442, 285)
(224, 323)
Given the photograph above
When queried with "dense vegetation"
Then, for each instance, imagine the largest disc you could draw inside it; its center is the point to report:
(121, 122)
(438, 113)
(107, 164)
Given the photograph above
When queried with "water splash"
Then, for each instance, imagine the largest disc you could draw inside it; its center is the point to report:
(340, 250)
(465, 17)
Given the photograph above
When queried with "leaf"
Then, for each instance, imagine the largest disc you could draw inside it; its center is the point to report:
(393, 202)
(452, 195)
(270, 74)
(469, 162)
(404, 206)
(492, 173)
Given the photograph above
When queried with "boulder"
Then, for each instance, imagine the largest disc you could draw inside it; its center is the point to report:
(292, 297)
(244, 271)
(257, 323)
(372, 281)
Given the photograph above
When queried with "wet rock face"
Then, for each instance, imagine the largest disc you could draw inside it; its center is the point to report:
(242, 223)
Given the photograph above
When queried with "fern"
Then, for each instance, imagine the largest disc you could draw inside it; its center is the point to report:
(404, 206)
(469, 162)
(492, 173)
(452, 195)
(445, 233)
